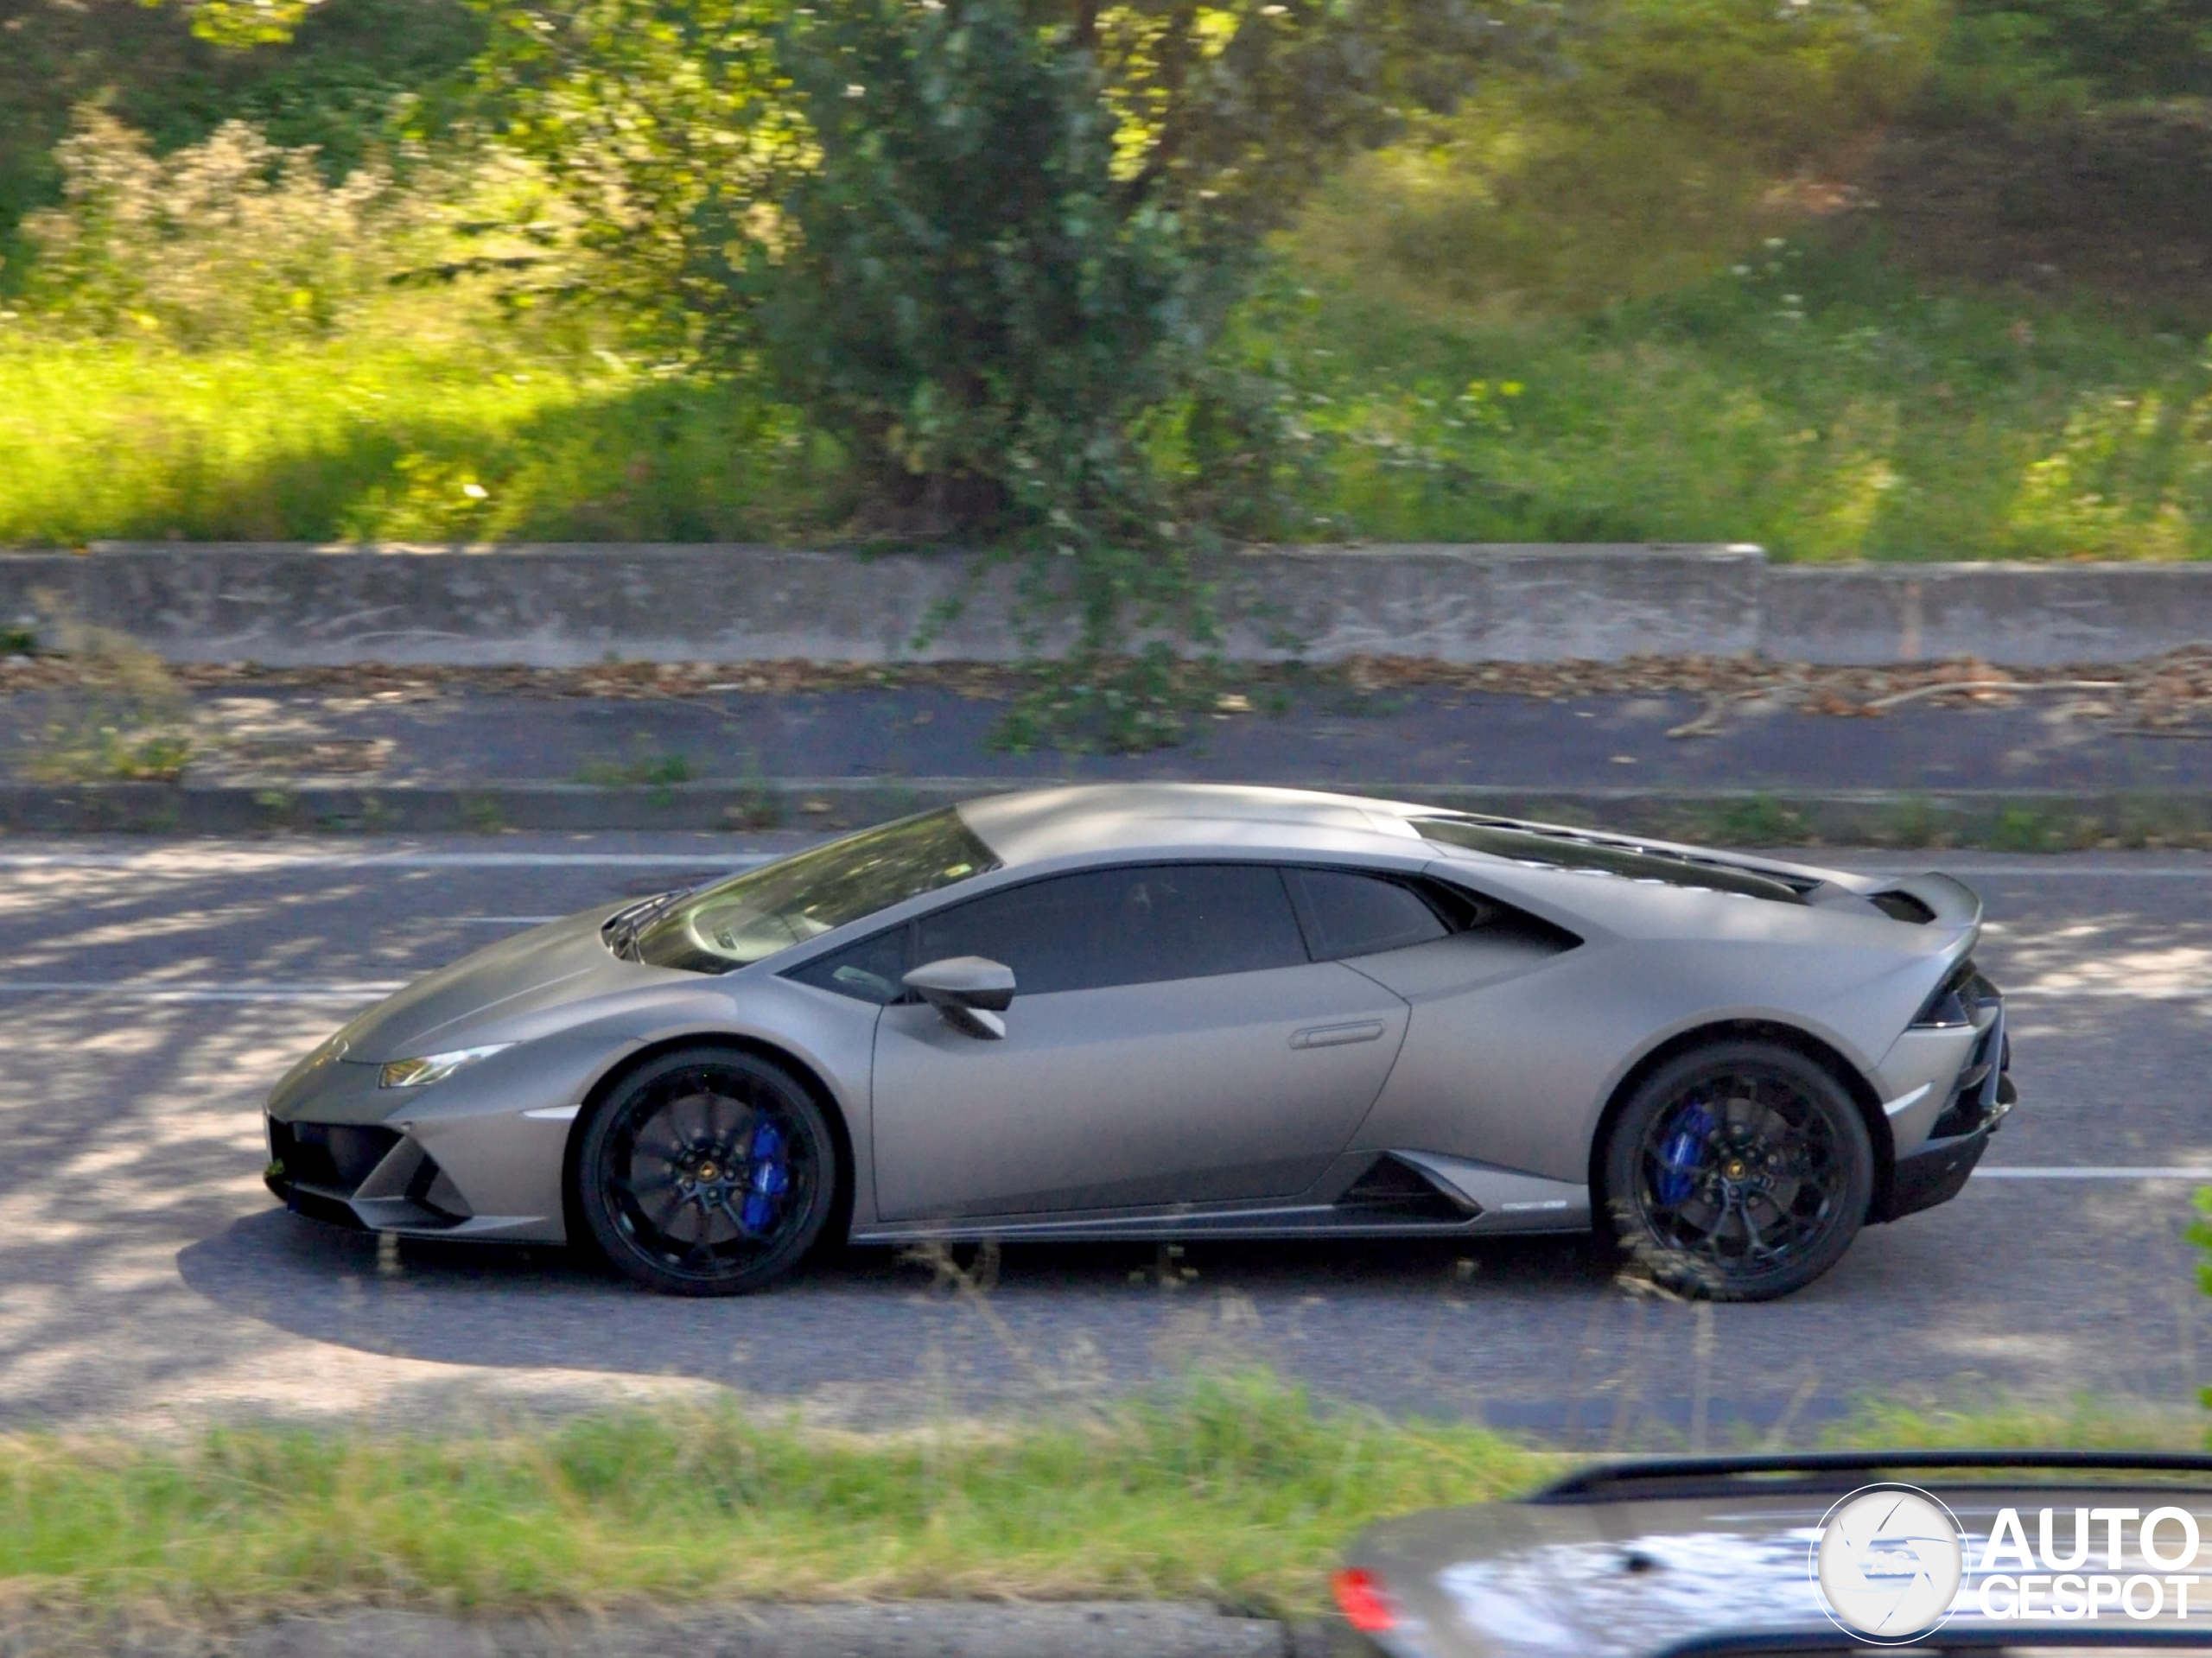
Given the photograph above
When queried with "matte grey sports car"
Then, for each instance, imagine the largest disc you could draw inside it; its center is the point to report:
(1180, 1012)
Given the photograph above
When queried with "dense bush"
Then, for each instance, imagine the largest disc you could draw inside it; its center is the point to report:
(964, 295)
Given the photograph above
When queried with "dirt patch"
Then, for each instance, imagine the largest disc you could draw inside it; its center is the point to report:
(2107, 202)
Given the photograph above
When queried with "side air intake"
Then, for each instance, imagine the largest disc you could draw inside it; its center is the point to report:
(1398, 1191)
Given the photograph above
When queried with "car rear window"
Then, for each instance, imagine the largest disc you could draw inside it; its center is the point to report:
(1351, 913)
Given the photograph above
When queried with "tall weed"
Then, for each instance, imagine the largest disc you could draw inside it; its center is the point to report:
(230, 240)
(237, 242)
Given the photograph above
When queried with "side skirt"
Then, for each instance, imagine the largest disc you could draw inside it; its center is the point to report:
(1464, 1199)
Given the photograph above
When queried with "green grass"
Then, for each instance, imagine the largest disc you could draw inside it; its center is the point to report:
(1815, 401)
(1239, 1491)
(643, 769)
(382, 438)
(1818, 402)
(2083, 1425)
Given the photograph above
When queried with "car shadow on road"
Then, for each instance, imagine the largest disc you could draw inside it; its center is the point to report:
(879, 1329)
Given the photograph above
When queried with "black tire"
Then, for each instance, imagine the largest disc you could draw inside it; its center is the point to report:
(1739, 1172)
(707, 1172)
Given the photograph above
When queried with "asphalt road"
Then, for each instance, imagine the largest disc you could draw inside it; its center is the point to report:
(152, 991)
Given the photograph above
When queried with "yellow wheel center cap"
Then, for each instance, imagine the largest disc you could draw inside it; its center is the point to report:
(1735, 1171)
(706, 1170)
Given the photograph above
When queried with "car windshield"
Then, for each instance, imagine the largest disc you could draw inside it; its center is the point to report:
(751, 917)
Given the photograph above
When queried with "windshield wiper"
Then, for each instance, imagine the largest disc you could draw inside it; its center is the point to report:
(622, 929)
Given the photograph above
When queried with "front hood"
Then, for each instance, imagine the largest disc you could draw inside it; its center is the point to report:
(565, 961)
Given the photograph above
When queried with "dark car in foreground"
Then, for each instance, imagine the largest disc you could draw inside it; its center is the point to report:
(1181, 1011)
(1927, 1551)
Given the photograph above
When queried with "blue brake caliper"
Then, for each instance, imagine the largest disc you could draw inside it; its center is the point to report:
(1679, 1156)
(770, 1179)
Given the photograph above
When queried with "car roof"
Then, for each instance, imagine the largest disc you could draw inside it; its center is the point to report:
(1089, 820)
(1040, 825)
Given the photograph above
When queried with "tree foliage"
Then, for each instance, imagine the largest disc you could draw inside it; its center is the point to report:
(979, 239)
(2038, 51)
(666, 123)
(717, 143)
(961, 281)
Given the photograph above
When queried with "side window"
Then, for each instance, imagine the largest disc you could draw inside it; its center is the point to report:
(1348, 913)
(868, 971)
(1139, 924)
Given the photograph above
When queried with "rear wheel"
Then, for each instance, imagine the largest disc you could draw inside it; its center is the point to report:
(1739, 1172)
(707, 1172)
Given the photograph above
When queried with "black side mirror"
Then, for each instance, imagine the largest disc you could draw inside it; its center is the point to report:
(970, 991)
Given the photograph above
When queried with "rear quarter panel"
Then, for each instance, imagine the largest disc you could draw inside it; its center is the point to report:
(1516, 1070)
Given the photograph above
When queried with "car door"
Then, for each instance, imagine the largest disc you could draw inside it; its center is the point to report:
(1171, 1040)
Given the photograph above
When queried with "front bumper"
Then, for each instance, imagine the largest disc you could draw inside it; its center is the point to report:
(461, 1165)
(380, 1177)
(363, 1177)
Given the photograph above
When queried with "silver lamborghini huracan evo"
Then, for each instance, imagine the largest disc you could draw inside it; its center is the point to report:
(1181, 1011)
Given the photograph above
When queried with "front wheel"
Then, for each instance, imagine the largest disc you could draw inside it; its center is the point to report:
(1739, 1172)
(707, 1172)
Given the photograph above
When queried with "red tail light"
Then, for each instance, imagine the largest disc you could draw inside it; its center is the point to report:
(1361, 1600)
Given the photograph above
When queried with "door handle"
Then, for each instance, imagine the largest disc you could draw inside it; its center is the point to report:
(1336, 1036)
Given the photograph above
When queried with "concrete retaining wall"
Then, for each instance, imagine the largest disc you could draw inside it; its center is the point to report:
(2028, 615)
(566, 606)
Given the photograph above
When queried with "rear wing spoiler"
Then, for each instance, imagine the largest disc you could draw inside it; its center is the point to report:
(1950, 903)
(1661, 1478)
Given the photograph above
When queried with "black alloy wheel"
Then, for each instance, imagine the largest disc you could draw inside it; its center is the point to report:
(1739, 1172)
(707, 1172)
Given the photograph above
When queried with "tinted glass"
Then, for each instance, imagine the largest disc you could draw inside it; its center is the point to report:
(868, 971)
(1352, 914)
(1136, 925)
(751, 917)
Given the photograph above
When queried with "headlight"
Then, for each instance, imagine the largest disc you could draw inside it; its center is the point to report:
(435, 1068)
